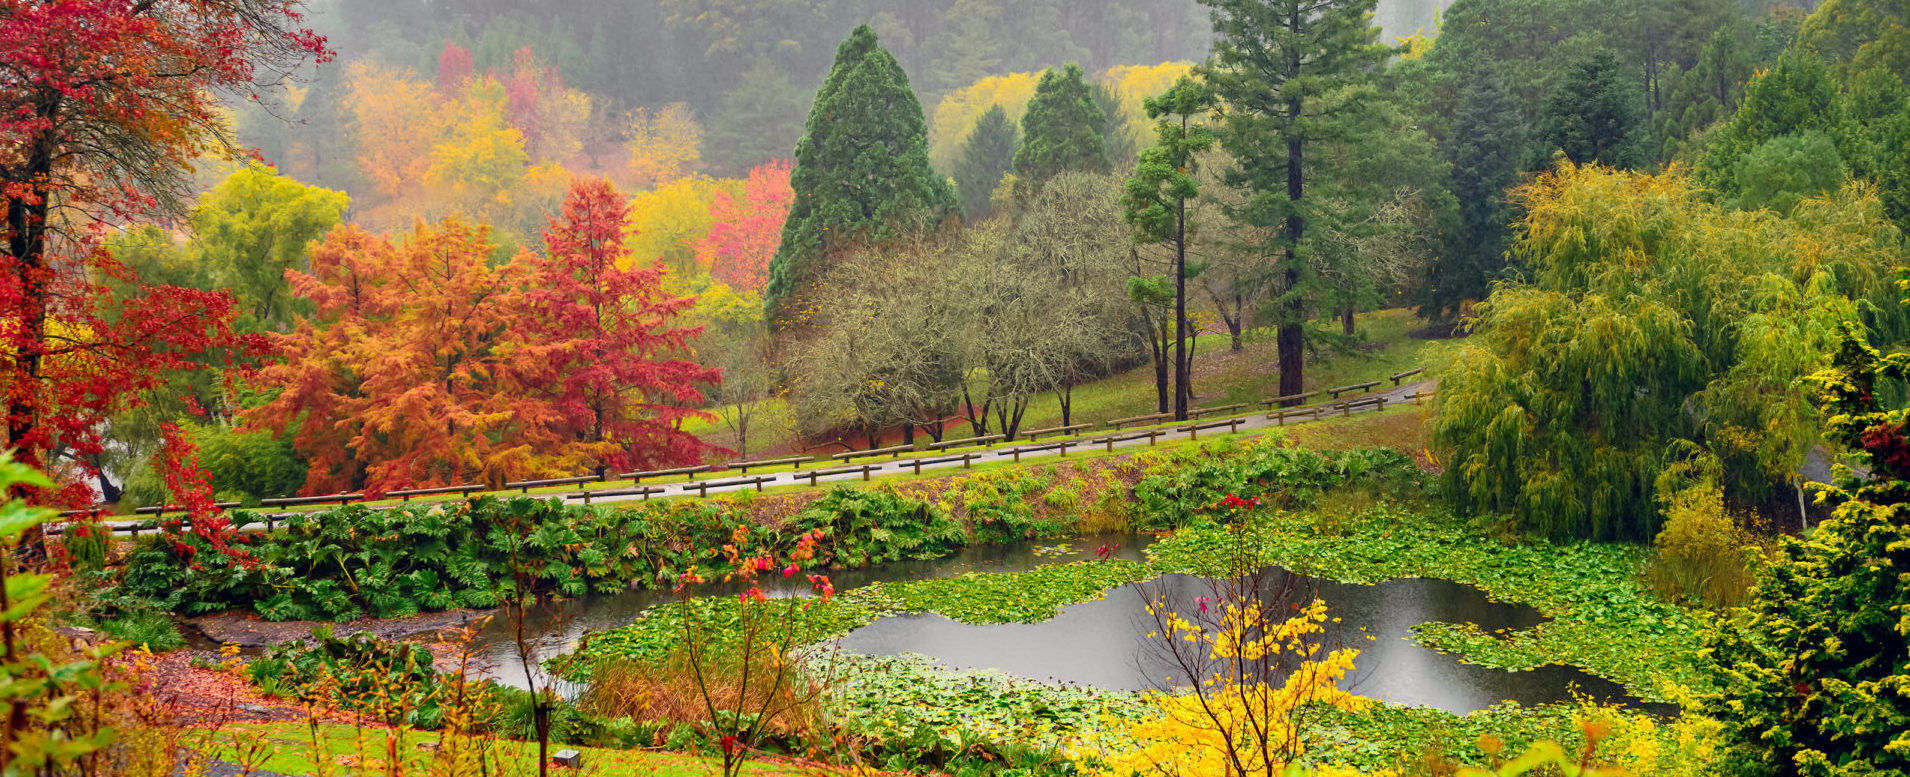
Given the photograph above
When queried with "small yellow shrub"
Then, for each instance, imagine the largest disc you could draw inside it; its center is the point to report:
(1703, 550)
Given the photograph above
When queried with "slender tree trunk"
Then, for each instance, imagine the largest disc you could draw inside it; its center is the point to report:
(1180, 306)
(1346, 321)
(1065, 395)
(26, 226)
(1236, 323)
(1157, 342)
(1291, 339)
(26, 242)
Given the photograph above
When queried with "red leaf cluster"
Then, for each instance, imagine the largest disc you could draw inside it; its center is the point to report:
(744, 235)
(425, 365)
(104, 105)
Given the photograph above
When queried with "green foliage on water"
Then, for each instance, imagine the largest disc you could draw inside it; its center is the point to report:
(1603, 618)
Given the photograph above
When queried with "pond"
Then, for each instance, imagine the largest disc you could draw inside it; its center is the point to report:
(1102, 643)
(556, 630)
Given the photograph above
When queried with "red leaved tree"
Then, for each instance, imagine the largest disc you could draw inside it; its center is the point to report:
(103, 106)
(597, 356)
(394, 381)
(455, 69)
(744, 235)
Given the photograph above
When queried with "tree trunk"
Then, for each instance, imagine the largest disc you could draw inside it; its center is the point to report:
(1346, 321)
(1065, 395)
(1291, 339)
(1236, 323)
(26, 225)
(908, 434)
(1159, 346)
(1180, 306)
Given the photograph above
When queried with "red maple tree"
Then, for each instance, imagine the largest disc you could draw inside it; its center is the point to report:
(600, 343)
(104, 105)
(744, 235)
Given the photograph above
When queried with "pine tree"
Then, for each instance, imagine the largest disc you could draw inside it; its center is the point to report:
(862, 170)
(987, 155)
(1276, 64)
(1595, 115)
(1488, 136)
(1063, 128)
(1119, 142)
(1156, 201)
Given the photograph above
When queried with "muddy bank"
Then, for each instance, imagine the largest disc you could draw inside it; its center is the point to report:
(250, 631)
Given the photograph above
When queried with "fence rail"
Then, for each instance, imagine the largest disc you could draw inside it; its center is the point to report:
(814, 476)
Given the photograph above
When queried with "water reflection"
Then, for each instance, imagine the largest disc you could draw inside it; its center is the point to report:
(1103, 644)
(554, 630)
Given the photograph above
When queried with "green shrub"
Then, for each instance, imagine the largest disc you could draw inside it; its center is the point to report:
(878, 525)
(150, 628)
(240, 466)
(1195, 479)
(1814, 670)
(392, 681)
(86, 545)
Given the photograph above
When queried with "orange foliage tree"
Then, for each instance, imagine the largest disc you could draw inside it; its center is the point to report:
(597, 345)
(744, 233)
(395, 380)
(424, 365)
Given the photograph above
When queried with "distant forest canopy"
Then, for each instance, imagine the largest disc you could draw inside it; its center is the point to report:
(746, 70)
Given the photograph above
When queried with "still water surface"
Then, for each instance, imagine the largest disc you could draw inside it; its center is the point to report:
(1102, 643)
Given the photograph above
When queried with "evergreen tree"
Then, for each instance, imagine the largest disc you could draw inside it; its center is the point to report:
(987, 155)
(1794, 97)
(1276, 64)
(1062, 129)
(1114, 134)
(1595, 115)
(862, 170)
(1484, 149)
(1156, 201)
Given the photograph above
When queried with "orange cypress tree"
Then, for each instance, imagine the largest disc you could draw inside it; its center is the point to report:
(395, 381)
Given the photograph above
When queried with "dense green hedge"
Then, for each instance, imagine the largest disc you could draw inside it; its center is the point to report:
(1195, 479)
(354, 561)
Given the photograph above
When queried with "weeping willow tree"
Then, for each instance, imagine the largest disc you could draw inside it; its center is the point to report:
(1655, 326)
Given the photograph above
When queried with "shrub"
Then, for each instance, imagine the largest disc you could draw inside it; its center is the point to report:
(394, 682)
(147, 628)
(1701, 550)
(86, 545)
(878, 525)
(1813, 670)
(1172, 496)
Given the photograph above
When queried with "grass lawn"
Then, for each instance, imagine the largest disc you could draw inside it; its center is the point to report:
(287, 748)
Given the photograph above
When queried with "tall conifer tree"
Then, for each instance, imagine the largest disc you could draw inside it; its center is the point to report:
(1063, 128)
(1276, 64)
(987, 155)
(862, 170)
(1596, 115)
(1487, 139)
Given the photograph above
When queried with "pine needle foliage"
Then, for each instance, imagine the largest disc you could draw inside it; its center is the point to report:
(862, 171)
